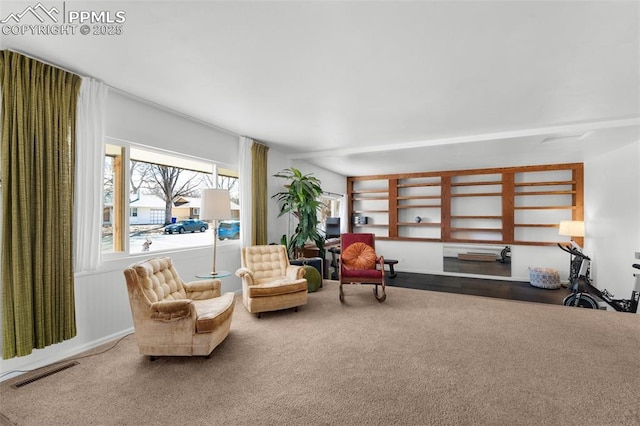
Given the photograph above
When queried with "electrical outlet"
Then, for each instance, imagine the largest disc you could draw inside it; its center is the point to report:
(638, 255)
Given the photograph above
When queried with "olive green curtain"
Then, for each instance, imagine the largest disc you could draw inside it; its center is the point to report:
(259, 155)
(38, 161)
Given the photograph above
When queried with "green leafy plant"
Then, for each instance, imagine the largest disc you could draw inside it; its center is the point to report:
(301, 199)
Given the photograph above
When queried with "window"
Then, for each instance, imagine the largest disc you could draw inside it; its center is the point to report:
(161, 192)
(113, 184)
(331, 207)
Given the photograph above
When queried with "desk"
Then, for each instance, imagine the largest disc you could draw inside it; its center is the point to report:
(219, 274)
(312, 251)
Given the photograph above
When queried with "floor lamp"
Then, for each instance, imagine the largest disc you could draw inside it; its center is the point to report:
(215, 205)
(572, 228)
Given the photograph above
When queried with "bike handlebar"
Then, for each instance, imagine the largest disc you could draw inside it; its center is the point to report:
(574, 252)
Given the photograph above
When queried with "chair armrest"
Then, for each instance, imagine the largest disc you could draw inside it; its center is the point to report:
(203, 289)
(168, 310)
(380, 261)
(295, 272)
(246, 275)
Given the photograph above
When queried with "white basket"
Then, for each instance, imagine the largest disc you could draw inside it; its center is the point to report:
(544, 278)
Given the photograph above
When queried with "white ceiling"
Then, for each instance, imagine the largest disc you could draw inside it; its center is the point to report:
(382, 86)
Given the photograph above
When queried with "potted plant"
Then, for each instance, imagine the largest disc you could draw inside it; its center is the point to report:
(301, 199)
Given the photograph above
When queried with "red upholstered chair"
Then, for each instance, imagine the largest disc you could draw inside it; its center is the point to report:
(359, 263)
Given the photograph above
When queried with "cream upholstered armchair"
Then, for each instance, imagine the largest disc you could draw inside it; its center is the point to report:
(172, 317)
(269, 282)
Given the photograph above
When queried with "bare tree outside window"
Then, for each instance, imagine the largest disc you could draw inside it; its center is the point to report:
(107, 180)
(171, 183)
(229, 183)
(163, 191)
(138, 173)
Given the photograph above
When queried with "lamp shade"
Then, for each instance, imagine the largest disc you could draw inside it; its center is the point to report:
(215, 204)
(571, 228)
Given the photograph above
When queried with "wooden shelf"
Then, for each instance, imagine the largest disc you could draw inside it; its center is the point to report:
(554, 183)
(477, 217)
(494, 182)
(518, 194)
(545, 208)
(429, 240)
(421, 206)
(417, 185)
(419, 197)
(493, 205)
(476, 230)
(371, 191)
(479, 194)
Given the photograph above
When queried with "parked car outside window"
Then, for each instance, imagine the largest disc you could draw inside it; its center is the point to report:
(188, 225)
(229, 230)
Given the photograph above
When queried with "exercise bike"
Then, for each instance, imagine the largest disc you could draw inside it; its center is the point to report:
(579, 271)
(624, 305)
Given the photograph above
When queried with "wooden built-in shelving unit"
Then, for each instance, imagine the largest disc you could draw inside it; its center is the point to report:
(511, 205)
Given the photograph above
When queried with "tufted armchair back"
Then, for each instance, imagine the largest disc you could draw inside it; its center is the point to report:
(265, 262)
(159, 281)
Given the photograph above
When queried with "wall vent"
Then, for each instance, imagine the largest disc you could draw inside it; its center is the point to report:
(44, 374)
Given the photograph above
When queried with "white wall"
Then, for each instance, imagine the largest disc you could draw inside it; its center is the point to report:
(612, 217)
(135, 121)
(426, 258)
(330, 182)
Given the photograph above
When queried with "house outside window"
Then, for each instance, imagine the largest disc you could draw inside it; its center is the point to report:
(157, 189)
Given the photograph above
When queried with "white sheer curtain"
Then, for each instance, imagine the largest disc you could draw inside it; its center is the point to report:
(90, 131)
(344, 216)
(244, 170)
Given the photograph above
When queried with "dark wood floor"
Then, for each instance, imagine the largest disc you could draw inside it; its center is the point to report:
(515, 290)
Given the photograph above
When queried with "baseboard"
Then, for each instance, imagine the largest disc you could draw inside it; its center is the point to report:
(29, 367)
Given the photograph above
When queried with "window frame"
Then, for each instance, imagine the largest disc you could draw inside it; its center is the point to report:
(331, 197)
(122, 187)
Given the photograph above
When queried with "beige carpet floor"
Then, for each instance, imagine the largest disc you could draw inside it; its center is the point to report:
(420, 358)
